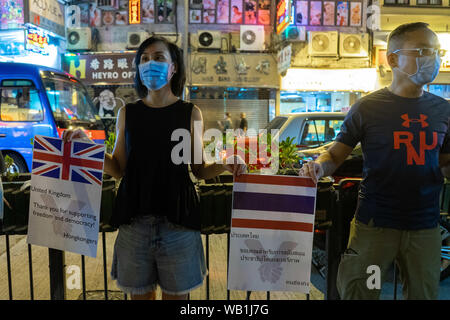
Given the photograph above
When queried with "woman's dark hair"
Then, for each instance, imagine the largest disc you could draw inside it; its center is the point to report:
(178, 79)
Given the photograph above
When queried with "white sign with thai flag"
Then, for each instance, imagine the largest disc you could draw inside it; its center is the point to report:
(65, 195)
(271, 237)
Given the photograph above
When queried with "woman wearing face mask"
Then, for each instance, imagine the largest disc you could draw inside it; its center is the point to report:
(158, 241)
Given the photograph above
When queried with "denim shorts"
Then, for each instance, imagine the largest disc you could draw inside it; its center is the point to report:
(151, 251)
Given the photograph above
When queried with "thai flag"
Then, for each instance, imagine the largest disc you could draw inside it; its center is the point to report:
(274, 202)
(73, 161)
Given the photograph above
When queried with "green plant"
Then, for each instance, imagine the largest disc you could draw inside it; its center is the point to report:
(110, 142)
(10, 173)
(288, 153)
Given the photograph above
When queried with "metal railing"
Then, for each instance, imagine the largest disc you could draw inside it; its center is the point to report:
(340, 206)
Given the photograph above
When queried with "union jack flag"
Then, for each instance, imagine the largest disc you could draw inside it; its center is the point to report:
(73, 161)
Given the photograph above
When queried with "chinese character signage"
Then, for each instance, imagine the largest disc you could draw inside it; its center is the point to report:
(284, 58)
(47, 14)
(101, 68)
(135, 12)
(37, 41)
(237, 70)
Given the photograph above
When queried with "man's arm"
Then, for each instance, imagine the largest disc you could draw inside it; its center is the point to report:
(444, 164)
(327, 163)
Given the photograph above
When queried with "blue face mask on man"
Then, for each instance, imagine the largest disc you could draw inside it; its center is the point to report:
(427, 69)
(154, 74)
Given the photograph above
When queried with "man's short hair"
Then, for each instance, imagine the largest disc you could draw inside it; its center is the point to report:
(397, 38)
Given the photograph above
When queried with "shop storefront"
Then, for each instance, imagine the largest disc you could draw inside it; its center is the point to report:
(32, 32)
(324, 90)
(234, 83)
(109, 78)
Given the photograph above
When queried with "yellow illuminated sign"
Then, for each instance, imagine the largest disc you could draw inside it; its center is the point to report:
(134, 11)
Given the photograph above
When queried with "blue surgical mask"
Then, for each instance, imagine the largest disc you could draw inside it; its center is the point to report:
(154, 74)
(427, 69)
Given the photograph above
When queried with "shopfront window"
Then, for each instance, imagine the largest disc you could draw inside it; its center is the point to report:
(319, 101)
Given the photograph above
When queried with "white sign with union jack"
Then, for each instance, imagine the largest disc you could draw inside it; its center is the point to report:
(65, 195)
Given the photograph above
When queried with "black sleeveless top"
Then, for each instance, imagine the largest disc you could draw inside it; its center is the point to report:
(153, 184)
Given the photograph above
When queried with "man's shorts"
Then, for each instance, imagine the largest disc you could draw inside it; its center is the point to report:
(151, 251)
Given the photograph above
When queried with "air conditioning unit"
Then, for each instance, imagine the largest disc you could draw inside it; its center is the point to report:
(295, 33)
(135, 38)
(354, 45)
(205, 39)
(323, 44)
(252, 38)
(172, 37)
(79, 39)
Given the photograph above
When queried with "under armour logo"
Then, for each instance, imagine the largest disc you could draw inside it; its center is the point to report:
(408, 121)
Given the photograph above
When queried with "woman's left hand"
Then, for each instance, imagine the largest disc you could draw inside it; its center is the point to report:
(236, 165)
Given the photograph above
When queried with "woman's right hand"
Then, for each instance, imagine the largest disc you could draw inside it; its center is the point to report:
(72, 134)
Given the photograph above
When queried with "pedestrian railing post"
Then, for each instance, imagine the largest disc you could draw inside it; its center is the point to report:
(8, 265)
(207, 266)
(395, 281)
(105, 276)
(30, 268)
(57, 277)
(83, 276)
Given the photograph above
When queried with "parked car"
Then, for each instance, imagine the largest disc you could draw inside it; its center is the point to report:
(36, 100)
(309, 130)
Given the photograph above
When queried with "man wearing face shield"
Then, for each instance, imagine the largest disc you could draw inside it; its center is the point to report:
(405, 138)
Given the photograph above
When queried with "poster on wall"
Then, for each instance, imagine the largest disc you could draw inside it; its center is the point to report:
(169, 11)
(108, 18)
(301, 16)
(315, 13)
(84, 14)
(95, 15)
(223, 11)
(209, 16)
(107, 102)
(328, 13)
(250, 12)
(236, 11)
(342, 13)
(11, 14)
(209, 11)
(355, 14)
(121, 18)
(195, 16)
(264, 12)
(160, 10)
(148, 11)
